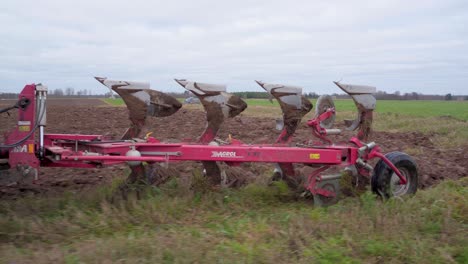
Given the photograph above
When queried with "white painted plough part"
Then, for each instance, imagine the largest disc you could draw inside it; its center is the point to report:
(287, 94)
(365, 103)
(141, 102)
(230, 104)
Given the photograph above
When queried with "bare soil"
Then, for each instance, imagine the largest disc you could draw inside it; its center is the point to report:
(62, 102)
(86, 116)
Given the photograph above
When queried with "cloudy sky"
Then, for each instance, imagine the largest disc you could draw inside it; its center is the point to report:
(395, 45)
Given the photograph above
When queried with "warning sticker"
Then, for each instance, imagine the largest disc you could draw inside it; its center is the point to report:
(24, 128)
(314, 156)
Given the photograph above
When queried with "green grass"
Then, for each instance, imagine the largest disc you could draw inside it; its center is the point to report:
(454, 109)
(255, 224)
(114, 102)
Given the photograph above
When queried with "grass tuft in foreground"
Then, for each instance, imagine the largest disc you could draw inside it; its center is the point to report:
(255, 224)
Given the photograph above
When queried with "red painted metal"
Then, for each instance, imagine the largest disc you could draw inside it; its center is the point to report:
(24, 153)
(113, 158)
(312, 180)
(51, 137)
(317, 129)
(227, 153)
(378, 154)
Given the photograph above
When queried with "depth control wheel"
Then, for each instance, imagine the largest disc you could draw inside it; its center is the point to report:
(325, 102)
(331, 186)
(387, 184)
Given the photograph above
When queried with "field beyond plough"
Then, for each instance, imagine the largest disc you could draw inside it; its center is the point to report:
(75, 216)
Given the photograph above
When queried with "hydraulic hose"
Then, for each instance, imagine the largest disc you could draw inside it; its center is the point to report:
(8, 108)
(39, 116)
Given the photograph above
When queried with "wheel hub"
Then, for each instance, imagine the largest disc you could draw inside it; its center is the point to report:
(398, 188)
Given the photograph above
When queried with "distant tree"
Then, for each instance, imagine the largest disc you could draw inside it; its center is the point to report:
(381, 95)
(448, 97)
(252, 94)
(311, 95)
(8, 95)
(69, 91)
(58, 92)
(411, 96)
(81, 93)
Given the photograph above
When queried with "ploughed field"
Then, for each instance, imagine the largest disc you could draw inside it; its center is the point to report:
(438, 142)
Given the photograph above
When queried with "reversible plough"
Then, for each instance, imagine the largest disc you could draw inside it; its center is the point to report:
(28, 147)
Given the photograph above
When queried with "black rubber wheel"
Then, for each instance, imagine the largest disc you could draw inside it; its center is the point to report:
(323, 103)
(387, 184)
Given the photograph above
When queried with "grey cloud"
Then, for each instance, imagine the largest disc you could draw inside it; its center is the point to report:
(395, 45)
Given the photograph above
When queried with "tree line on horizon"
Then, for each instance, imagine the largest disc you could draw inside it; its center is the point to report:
(380, 95)
(59, 93)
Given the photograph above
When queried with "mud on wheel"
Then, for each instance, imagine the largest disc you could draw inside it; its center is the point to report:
(324, 102)
(386, 183)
